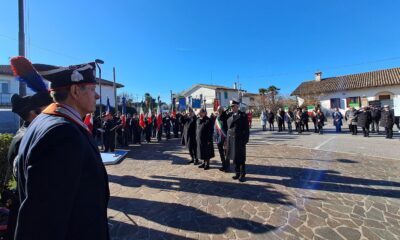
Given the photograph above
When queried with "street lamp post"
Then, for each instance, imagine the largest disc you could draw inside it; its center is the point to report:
(98, 62)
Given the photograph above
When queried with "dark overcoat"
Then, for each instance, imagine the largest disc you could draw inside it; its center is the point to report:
(204, 138)
(62, 182)
(363, 119)
(387, 119)
(16, 141)
(189, 132)
(238, 137)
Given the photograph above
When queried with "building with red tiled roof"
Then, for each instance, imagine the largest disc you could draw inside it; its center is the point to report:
(381, 87)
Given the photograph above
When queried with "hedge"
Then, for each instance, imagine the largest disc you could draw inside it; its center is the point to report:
(5, 168)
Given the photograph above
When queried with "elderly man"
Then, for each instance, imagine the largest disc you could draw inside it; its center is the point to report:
(220, 129)
(204, 139)
(237, 138)
(62, 181)
(387, 121)
(189, 135)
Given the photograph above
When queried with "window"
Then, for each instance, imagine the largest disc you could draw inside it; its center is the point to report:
(353, 102)
(384, 97)
(251, 99)
(4, 87)
(219, 96)
(226, 95)
(335, 103)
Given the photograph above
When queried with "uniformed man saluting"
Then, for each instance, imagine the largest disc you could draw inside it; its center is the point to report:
(237, 138)
(62, 181)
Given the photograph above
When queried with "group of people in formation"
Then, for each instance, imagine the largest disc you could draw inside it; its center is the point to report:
(300, 117)
(369, 119)
(119, 130)
(229, 129)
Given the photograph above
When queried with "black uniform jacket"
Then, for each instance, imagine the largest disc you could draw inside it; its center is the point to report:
(62, 182)
(189, 132)
(204, 138)
(238, 137)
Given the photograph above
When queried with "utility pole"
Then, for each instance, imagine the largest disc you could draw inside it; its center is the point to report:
(115, 92)
(21, 42)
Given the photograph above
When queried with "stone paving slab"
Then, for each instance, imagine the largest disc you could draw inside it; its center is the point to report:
(290, 193)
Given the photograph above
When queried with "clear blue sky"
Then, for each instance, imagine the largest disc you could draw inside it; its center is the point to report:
(158, 45)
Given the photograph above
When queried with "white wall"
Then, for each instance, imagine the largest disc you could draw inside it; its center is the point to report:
(370, 93)
(106, 91)
(13, 87)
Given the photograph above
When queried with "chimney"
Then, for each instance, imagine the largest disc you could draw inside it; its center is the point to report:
(318, 76)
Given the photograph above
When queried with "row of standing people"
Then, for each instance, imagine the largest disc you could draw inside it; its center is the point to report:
(130, 130)
(374, 117)
(299, 117)
(230, 131)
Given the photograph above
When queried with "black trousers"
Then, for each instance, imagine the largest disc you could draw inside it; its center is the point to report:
(299, 127)
(109, 142)
(366, 131)
(315, 126)
(305, 124)
(193, 152)
(271, 127)
(389, 132)
(281, 126)
(375, 126)
(353, 129)
(240, 169)
(224, 160)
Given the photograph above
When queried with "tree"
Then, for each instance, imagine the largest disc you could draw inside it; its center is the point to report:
(263, 92)
(272, 92)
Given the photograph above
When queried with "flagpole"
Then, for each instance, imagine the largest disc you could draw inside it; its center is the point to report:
(115, 92)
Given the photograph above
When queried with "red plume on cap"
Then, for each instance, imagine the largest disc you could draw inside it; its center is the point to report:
(25, 72)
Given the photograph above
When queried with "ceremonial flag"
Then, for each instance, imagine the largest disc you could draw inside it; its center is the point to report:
(108, 110)
(89, 121)
(141, 117)
(216, 104)
(159, 116)
(123, 116)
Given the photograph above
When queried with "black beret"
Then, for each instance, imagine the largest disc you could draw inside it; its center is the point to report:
(41, 99)
(67, 76)
(20, 105)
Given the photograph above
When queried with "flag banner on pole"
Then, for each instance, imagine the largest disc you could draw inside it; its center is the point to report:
(159, 116)
(196, 103)
(123, 116)
(89, 121)
(149, 117)
(182, 103)
(141, 117)
(108, 105)
(216, 104)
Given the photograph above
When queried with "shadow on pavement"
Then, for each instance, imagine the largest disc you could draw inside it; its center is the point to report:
(184, 217)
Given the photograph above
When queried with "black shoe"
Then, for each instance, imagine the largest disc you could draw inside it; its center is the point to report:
(196, 162)
(242, 179)
(222, 169)
(206, 167)
(202, 165)
(192, 161)
(236, 176)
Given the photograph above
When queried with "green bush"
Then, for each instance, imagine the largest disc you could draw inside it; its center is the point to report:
(5, 168)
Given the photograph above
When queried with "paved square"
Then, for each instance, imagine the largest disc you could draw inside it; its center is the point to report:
(298, 187)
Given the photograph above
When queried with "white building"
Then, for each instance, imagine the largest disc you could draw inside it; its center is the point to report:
(224, 94)
(380, 87)
(9, 86)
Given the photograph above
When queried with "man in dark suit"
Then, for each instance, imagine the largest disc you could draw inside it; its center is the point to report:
(189, 135)
(238, 137)
(62, 181)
